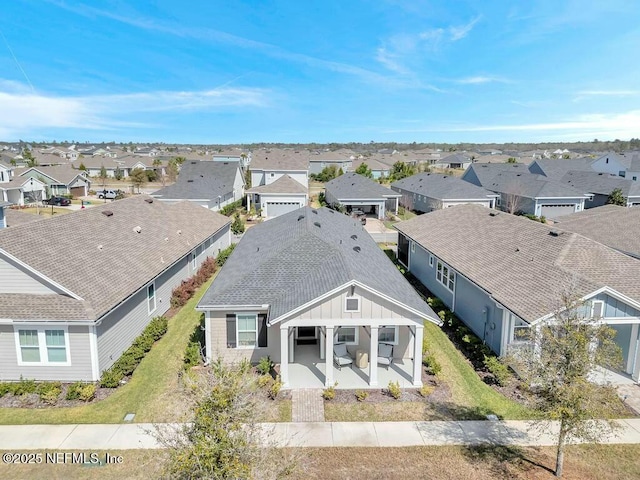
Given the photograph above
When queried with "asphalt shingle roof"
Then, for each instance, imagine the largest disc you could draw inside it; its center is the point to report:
(530, 185)
(443, 187)
(353, 186)
(19, 306)
(202, 180)
(518, 261)
(64, 174)
(297, 257)
(278, 160)
(595, 182)
(284, 184)
(101, 258)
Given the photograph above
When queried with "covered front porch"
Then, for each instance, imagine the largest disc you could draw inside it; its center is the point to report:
(310, 363)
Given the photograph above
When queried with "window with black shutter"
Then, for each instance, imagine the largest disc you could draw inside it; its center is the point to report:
(231, 331)
(262, 330)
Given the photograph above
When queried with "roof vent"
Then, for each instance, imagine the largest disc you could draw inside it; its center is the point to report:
(137, 229)
(189, 181)
(100, 247)
(315, 211)
(317, 224)
(193, 162)
(179, 232)
(494, 214)
(356, 249)
(166, 239)
(300, 217)
(107, 213)
(201, 176)
(555, 233)
(354, 237)
(148, 200)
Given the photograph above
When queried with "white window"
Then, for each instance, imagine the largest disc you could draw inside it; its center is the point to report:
(430, 260)
(388, 335)
(40, 346)
(247, 330)
(521, 330)
(352, 304)
(194, 260)
(445, 276)
(348, 335)
(413, 246)
(597, 309)
(151, 297)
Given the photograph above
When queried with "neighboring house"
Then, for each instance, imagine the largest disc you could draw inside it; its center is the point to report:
(524, 192)
(426, 192)
(277, 198)
(22, 191)
(502, 275)
(356, 191)
(600, 186)
(123, 164)
(234, 156)
(611, 225)
(299, 284)
(378, 169)
(612, 163)
(210, 184)
(3, 215)
(455, 161)
(60, 180)
(68, 313)
(269, 165)
(322, 160)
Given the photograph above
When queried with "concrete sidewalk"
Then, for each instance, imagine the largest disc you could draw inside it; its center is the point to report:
(133, 436)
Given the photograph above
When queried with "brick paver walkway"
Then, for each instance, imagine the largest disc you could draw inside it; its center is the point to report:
(307, 405)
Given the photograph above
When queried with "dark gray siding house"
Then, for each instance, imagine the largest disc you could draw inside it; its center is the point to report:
(355, 191)
(70, 305)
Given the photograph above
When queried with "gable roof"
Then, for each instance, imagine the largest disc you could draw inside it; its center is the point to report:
(454, 158)
(284, 184)
(63, 174)
(519, 262)
(615, 226)
(104, 260)
(600, 183)
(202, 180)
(556, 168)
(278, 160)
(530, 185)
(354, 186)
(443, 187)
(295, 258)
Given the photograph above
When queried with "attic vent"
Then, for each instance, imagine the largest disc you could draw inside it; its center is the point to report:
(179, 232)
(317, 224)
(107, 213)
(189, 181)
(100, 247)
(148, 200)
(331, 211)
(315, 211)
(555, 233)
(137, 229)
(201, 176)
(356, 249)
(354, 237)
(494, 214)
(166, 239)
(300, 217)
(193, 163)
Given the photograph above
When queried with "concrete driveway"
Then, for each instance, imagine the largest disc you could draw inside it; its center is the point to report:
(379, 232)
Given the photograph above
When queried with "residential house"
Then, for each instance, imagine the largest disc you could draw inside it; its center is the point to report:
(277, 198)
(19, 190)
(269, 165)
(318, 161)
(426, 192)
(210, 184)
(455, 161)
(378, 169)
(524, 192)
(612, 225)
(611, 163)
(60, 180)
(503, 275)
(304, 282)
(356, 191)
(68, 313)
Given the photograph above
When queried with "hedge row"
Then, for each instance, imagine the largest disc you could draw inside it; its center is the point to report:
(187, 288)
(132, 357)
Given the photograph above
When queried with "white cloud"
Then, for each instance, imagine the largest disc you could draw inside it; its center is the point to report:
(480, 79)
(459, 32)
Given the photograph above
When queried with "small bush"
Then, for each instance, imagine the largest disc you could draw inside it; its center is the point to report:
(5, 388)
(264, 365)
(224, 254)
(433, 366)
(264, 380)
(361, 395)
(73, 392)
(24, 387)
(49, 392)
(498, 369)
(275, 388)
(229, 209)
(329, 393)
(192, 355)
(111, 378)
(394, 390)
(426, 390)
(88, 392)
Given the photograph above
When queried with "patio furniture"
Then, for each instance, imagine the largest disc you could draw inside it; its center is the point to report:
(341, 356)
(362, 358)
(385, 354)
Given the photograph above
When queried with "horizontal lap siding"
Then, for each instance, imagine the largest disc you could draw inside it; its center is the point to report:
(80, 368)
(419, 267)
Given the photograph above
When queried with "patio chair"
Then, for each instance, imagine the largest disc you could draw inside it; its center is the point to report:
(341, 356)
(385, 354)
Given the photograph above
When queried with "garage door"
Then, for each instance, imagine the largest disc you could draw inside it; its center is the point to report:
(275, 209)
(77, 191)
(553, 211)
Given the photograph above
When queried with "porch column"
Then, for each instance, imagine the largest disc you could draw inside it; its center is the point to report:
(284, 356)
(397, 200)
(248, 202)
(373, 357)
(328, 362)
(417, 356)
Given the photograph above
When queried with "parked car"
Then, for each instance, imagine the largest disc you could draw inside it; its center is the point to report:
(110, 194)
(359, 214)
(58, 201)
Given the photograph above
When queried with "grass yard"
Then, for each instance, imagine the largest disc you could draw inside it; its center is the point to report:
(153, 393)
(592, 462)
(378, 412)
(45, 211)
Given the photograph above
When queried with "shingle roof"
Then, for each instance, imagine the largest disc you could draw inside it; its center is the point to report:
(104, 260)
(617, 227)
(15, 217)
(202, 180)
(372, 163)
(454, 158)
(518, 261)
(486, 171)
(354, 186)
(284, 184)
(556, 168)
(20, 306)
(596, 182)
(64, 174)
(278, 160)
(435, 185)
(530, 185)
(297, 257)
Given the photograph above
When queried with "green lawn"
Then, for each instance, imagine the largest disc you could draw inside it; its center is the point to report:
(471, 397)
(153, 393)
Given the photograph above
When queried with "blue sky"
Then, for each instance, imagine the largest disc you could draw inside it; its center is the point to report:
(330, 71)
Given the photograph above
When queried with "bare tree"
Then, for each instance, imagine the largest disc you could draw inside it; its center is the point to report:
(511, 202)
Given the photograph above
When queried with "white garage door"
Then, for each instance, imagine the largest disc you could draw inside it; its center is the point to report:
(275, 209)
(553, 211)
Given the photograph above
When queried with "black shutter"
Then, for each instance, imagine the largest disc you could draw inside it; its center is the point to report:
(231, 331)
(262, 330)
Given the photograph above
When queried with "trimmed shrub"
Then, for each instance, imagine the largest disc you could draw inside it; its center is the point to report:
(88, 392)
(361, 395)
(224, 254)
(49, 392)
(187, 288)
(230, 209)
(24, 387)
(431, 363)
(192, 355)
(73, 392)
(275, 388)
(329, 393)
(394, 390)
(264, 366)
(426, 390)
(5, 388)
(498, 369)
(264, 380)
(111, 378)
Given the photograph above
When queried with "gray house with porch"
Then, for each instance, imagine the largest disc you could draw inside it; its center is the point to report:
(355, 191)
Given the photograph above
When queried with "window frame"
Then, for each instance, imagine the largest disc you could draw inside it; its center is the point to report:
(42, 345)
(396, 333)
(150, 310)
(431, 260)
(523, 326)
(352, 297)
(356, 336)
(194, 260)
(238, 331)
(450, 284)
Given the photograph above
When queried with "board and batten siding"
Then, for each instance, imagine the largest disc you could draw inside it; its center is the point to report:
(16, 279)
(79, 350)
